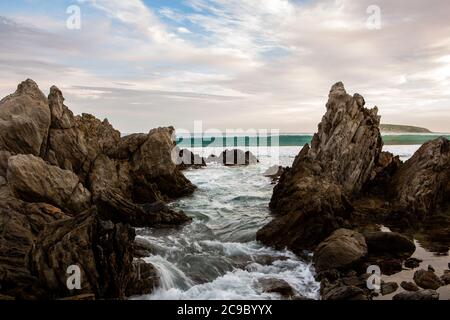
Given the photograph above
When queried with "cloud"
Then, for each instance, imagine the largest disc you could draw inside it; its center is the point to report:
(260, 64)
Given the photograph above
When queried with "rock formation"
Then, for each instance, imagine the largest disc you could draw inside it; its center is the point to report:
(70, 189)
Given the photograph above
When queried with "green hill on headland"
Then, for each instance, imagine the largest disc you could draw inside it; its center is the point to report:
(391, 128)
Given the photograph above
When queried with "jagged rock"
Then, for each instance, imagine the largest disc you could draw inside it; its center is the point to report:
(143, 280)
(237, 157)
(427, 279)
(142, 248)
(102, 251)
(24, 120)
(312, 199)
(417, 296)
(187, 159)
(421, 186)
(409, 286)
(389, 244)
(272, 285)
(35, 181)
(343, 249)
(274, 172)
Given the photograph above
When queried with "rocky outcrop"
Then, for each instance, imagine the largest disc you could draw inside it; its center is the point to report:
(35, 181)
(312, 199)
(422, 184)
(24, 120)
(70, 188)
(343, 249)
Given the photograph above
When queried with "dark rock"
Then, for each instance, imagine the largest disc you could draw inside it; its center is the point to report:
(390, 266)
(4, 157)
(430, 268)
(419, 295)
(389, 243)
(142, 248)
(412, 263)
(388, 288)
(271, 285)
(187, 159)
(237, 158)
(427, 279)
(421, 184)
(343, 249)
(445, 278)
(345, 293)
(409, 286)
(143, 279)
(102, 250)
(81, 297)
(24, 120)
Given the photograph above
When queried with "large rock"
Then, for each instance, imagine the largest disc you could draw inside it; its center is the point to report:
(33, 180)
(343, 249)
(102, 251)
(422, 295)
(312, 199)
(421, 185)
(24, 120)
(390, 244)
(427, 279)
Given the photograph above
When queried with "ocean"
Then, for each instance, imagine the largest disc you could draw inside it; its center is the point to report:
(217, 255)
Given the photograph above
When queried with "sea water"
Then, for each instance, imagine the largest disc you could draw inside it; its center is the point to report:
(217, 255)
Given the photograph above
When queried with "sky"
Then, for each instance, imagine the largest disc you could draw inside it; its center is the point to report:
(232, 64)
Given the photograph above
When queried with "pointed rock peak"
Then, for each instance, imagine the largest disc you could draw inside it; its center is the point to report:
(31, 88)
(338, 89)
(56, 96)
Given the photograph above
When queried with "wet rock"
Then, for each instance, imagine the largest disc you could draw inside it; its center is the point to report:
(102, 251)
(142, 248)
(35, 181)
(187, 159)
(237, 158)
(412, 263)
(427, 279)
(143, 280)
(344, 293)
(389, 243)
(388, 288)
(24, 120)
(419, 295)
(343, 249)
(430, 268)
(421, 184)
(445, 278)
(274, 172)
(271, 285)
(312, 198)
(409, 286)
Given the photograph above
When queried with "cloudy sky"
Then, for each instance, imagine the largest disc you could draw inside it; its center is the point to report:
(232, 63)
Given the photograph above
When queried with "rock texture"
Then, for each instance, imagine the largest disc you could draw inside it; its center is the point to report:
(390, 244)
(427, 279)
(343, 249)
(70, 189)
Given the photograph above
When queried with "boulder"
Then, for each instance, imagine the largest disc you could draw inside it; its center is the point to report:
(427, 279)
(388, 288)
(24, 120)
(33, 180)
(445, 278)
(409, 286)
(422, 295)
(144, 279)
(343, 249)
(237, 157)
(389, 244)
(421, 186)
(312, 199)
(412, 263)
(187, 159)
(280, 286)
(101, 250)
(344, 293)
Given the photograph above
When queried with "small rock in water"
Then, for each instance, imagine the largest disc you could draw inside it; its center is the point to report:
(412, 263)
(280, 286)
(409, 286)
(427, 279)
(419, 295)
(388, 288)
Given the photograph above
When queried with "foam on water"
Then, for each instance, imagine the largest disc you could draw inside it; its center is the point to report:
(217, 255)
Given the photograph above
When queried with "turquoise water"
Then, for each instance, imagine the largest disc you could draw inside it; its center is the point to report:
(291, 140)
